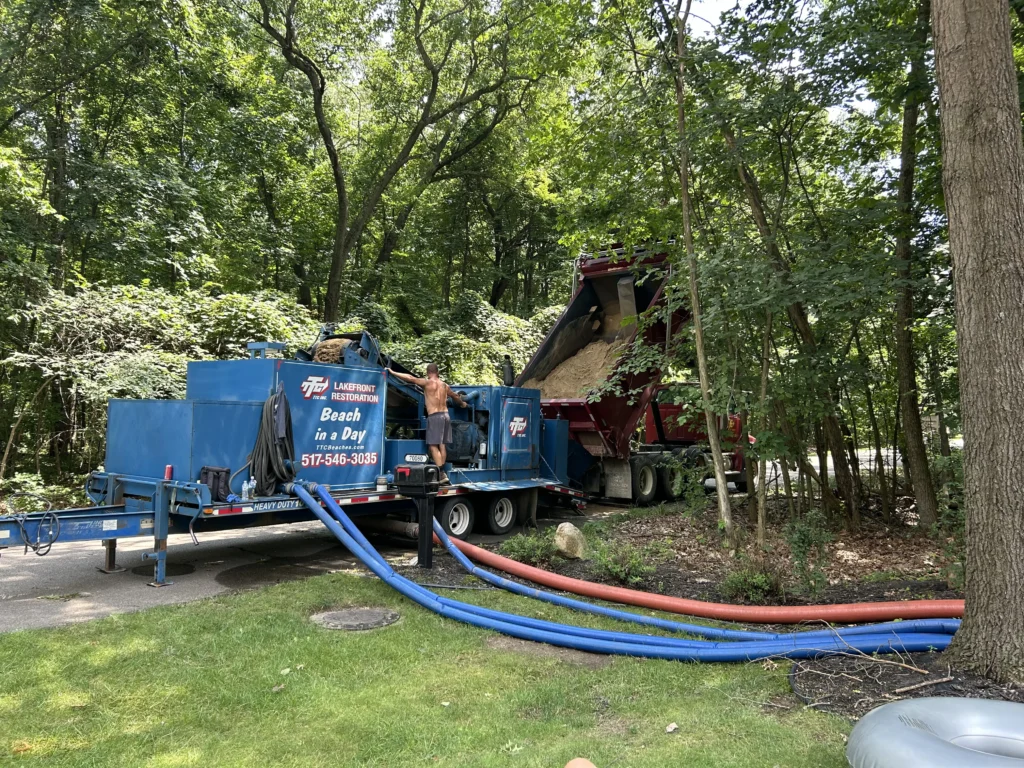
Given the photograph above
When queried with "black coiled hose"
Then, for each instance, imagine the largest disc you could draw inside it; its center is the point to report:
(48, 520)
(272, 460)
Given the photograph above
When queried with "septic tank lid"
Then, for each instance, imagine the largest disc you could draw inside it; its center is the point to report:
(356, 618)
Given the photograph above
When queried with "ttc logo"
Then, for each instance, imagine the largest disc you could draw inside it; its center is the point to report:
(314, 386)
(517, 426)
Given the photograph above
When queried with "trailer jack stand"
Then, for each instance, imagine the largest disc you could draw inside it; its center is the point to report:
(160, 566)
(110, 558)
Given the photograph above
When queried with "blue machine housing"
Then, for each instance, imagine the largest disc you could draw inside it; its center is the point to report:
(341, 419)
(352, 424)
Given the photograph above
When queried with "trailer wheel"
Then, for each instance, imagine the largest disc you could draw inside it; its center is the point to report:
(456, 516)
(645, 480)
(502, 513)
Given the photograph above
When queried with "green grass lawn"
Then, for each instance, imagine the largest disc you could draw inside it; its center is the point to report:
(192, 685)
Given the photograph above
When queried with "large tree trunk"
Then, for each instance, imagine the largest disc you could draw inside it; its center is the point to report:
(983, 180)
(906, 223)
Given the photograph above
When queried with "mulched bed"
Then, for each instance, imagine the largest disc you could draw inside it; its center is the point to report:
(851, 686)
(879, 563)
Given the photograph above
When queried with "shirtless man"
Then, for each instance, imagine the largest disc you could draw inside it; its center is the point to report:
(439, 425)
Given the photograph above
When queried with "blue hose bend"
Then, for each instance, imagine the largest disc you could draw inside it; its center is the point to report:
(762, 645)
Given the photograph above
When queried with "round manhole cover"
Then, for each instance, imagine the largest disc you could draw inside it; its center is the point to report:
(173, 569)
(356, 618)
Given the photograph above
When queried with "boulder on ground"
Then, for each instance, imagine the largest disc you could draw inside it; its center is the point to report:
(569, 541)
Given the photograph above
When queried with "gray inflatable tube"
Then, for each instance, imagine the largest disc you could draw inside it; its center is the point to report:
(940, 733)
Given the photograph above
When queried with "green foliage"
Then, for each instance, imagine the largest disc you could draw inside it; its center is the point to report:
(952, 527)
(754, 584)
(628, 563)
(471, 340)
(27, 492)
(533, 548)
(808, 539)
(135, 342)
(164, 186)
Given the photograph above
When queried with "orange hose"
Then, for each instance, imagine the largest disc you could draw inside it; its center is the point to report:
(850, 613)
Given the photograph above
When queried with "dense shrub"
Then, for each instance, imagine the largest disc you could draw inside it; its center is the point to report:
(469, 341)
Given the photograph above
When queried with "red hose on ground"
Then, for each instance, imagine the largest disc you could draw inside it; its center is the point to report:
(850, 613)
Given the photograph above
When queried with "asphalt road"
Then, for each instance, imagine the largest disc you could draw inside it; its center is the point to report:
(65, 586)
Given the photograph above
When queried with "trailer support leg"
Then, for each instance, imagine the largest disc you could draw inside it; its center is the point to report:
(159, 556)
(425, 513)
(110, 558)
(161, 527)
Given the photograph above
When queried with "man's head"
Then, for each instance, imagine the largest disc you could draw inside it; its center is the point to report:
(432, 371)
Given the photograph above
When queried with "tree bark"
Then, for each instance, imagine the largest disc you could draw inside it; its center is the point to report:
(983, 181)
(721, 485)
(762, 491)
(906, 224)
(883, 484)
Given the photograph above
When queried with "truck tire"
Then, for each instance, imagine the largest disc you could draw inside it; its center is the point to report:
(645, 480)
(695, 457)
(456, 516)
(668, 473)
(502, 513)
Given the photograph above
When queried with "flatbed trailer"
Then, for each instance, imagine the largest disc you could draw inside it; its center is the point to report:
(352, 424)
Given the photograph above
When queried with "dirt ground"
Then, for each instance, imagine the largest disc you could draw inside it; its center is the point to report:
(880, 562)
(851, 686)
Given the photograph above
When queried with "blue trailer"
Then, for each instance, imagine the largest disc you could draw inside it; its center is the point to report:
(351, 424)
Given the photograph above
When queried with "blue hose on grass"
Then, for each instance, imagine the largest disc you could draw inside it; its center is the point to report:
(601, 641)
(923, 626)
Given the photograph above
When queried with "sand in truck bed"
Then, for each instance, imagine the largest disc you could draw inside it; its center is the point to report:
(574, 377)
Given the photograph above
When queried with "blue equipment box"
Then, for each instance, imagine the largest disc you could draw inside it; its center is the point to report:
(337, 422)
(144, 436)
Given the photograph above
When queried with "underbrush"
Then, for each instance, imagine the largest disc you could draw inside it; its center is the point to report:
(758, 584)
(533, 548)
(628, 563)
(808, 539)
(28, 492)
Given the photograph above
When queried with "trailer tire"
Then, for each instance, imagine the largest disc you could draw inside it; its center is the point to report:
(645, 480)
(456, 516)
(502, 513)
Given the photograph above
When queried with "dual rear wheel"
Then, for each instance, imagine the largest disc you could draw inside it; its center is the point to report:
(458, 514)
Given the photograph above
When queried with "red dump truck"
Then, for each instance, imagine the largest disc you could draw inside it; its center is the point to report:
(616, 448)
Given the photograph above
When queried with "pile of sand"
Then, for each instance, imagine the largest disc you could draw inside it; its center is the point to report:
(330, 350)
(577, 375)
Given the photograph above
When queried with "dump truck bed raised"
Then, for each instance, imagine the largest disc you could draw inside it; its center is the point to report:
(591, 340)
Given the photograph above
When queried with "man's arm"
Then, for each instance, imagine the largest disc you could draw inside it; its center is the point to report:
(455, 397)
(408, 377)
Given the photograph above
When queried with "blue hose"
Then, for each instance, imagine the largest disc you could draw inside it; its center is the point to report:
(932, 627)
(799, 645)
